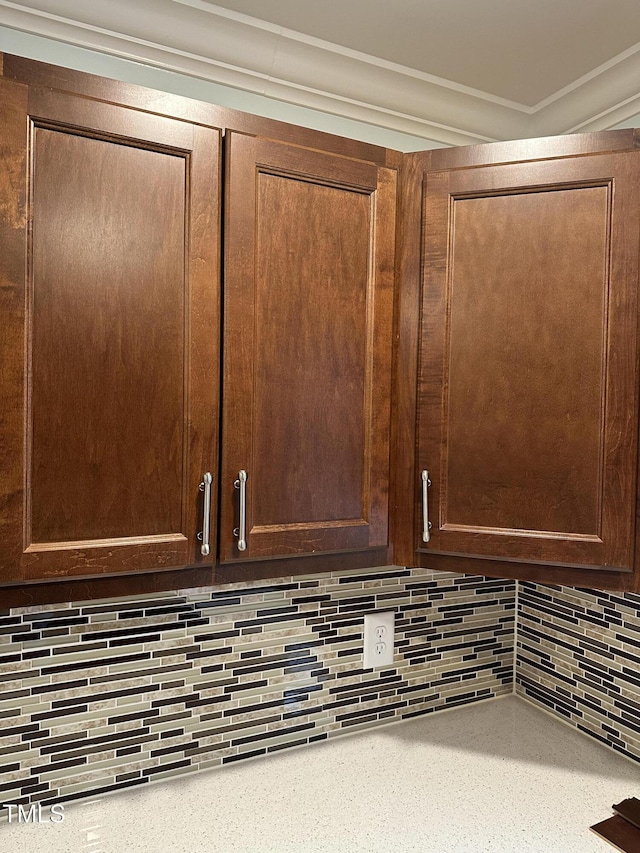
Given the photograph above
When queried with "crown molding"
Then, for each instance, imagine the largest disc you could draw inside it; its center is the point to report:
(312, 42)
(202, 40)
(597, 101)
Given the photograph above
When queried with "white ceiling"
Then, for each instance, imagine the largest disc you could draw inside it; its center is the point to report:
(452, 71)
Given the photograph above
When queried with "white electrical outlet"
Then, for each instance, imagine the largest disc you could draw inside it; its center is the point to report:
(378, 639)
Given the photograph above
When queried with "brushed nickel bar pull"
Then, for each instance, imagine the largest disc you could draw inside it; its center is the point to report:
(426, 524)
(241, 531)
(205, 486)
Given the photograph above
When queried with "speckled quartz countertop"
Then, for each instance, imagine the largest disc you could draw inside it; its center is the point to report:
(494, 776)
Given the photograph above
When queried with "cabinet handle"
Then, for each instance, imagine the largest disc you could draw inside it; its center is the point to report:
(426, 524)
(205, 486)
(241, 531)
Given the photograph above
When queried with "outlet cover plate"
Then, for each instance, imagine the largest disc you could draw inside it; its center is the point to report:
(379, 639)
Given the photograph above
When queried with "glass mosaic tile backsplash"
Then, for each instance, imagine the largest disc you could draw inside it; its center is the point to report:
(579, 656)
(102, 695)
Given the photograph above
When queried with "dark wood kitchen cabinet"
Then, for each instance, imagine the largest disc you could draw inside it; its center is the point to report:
(526, 409)
(308, 299)
(510, 316)
(109, 343)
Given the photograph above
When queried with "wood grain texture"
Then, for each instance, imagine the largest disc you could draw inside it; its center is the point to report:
(311, 352)
(416, 169)
(404, 482)
(145, 582)
(307, 349)
(431, 167)
(525, 384)
(123, 339)
(44, 75)
(145, 125)
(528, 400)
(108, 316)
(542, 148)
(61, 542)
(13, 236)
(538, 572)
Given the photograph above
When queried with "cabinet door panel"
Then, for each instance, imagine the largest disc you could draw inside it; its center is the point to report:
(310, 365)
(308, 286)
(121, 337)
(108, 303)
(529, 360)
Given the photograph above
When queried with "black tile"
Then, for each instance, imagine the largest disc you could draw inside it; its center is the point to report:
(229, 759)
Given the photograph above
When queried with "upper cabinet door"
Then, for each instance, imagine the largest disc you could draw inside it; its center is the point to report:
(308, 293)
(111, 338)
(528, 376)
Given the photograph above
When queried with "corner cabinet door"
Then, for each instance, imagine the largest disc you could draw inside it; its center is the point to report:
(110, 312)
(528, 379)
(308, 290)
